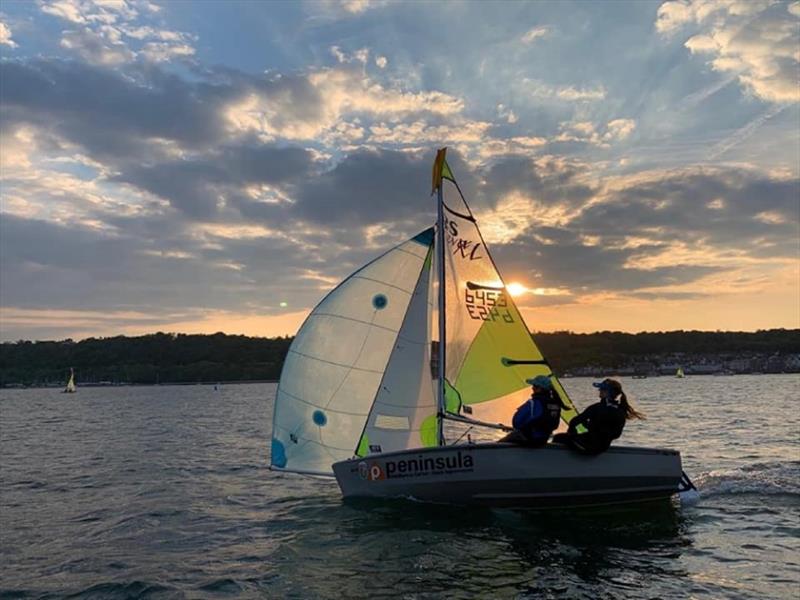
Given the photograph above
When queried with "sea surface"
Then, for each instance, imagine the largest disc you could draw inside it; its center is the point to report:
(165, 492)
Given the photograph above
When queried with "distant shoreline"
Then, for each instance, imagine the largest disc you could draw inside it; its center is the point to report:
(257, 381)
(116, 385)
(182, 359)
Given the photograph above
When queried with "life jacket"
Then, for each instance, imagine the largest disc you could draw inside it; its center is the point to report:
(546, 422)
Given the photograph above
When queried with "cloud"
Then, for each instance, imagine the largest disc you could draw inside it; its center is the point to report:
(304, 107)
(361, 55)
(533, 34)
(5, 36)
(359, 6)
(95, 48)
(755, 41)
(110, 115)
(504, 112)
(539, 89)
(587, 132)
(115, 32)
(199, 187)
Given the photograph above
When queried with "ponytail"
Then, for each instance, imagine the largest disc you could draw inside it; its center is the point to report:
(630, 412)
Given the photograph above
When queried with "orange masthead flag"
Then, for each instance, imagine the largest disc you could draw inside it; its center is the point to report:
(440, 169)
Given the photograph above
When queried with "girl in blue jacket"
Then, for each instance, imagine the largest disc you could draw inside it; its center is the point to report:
(538, 416)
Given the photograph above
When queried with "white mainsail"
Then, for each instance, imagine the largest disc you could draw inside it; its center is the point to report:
(337, 360)
(70, 389)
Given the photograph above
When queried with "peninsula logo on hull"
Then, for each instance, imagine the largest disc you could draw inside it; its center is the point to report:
(370, 471)
(420, 465)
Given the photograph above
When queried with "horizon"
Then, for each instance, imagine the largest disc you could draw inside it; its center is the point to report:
(533, 333)
(220, 166)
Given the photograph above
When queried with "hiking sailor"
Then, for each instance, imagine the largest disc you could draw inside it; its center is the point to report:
(538, 417)
(600, 423)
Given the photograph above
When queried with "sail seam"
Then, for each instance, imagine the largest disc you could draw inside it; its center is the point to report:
(330, 362)
(309, 441)
(370, 323)
(341, 412)
(432, 405)
(384, 282)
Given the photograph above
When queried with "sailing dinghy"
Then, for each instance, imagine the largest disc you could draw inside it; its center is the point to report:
(369, 382)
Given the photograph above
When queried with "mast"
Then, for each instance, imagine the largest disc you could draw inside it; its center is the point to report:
(440, 244)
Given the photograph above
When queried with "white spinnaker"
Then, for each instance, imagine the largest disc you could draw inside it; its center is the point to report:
(333, 368)
(404, 414)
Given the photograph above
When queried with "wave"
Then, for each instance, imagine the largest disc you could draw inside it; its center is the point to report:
(767, 478)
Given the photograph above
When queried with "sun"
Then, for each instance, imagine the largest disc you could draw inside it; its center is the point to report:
(516, 289)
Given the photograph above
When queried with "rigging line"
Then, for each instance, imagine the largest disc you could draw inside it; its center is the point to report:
(470, 428)
(460, 419)
(458, 214)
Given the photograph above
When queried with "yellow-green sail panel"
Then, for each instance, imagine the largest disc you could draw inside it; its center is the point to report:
(489, 351)
(488, 372)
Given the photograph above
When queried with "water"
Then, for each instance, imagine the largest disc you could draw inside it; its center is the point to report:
(165, 492)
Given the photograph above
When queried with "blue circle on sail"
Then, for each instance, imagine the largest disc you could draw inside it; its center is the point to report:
(379, 301)
(319, 418)
(278, 454)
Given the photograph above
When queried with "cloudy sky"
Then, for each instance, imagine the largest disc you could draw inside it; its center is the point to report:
(218, 166)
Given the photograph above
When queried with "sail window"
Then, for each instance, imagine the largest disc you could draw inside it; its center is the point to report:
(391, 422)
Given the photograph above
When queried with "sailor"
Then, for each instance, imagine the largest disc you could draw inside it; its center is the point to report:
(538, 417)
(602, 422)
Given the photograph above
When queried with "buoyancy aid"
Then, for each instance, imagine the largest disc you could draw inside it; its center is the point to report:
(539, 416)
(548, 419)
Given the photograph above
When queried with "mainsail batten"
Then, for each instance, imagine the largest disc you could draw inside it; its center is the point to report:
(338, 358)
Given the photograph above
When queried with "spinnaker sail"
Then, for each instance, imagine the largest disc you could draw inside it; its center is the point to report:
(338, 358)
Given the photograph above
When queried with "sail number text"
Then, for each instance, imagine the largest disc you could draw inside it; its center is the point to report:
(487, 305)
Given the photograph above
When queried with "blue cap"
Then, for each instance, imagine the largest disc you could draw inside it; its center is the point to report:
(541, 381)
(608, 384)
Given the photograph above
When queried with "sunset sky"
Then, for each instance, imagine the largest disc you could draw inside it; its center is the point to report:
(219, 166)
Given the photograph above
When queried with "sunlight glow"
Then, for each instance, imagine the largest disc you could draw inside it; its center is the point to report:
(516, 289)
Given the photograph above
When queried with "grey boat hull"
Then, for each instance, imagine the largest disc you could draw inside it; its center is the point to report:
(510, 475)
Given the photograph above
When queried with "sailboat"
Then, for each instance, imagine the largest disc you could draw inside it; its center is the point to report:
(427, 334)
(70, 389)
(679, 373)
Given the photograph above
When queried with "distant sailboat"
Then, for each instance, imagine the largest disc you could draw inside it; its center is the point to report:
(70, 389)
(679, 373)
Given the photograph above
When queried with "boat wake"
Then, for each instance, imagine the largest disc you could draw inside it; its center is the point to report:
(767, 478)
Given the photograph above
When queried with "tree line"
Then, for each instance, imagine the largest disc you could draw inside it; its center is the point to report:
(182, 358)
